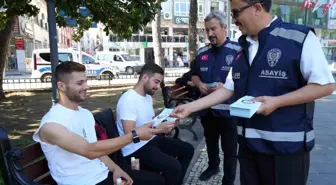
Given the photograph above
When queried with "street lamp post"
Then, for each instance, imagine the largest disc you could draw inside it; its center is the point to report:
(53, 46)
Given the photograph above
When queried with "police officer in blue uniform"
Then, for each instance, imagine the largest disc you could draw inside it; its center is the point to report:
(284, 67)
(212, 65)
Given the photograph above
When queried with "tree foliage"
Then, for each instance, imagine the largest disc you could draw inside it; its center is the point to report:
(122, 17)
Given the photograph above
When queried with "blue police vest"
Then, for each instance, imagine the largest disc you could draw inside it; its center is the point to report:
(213, 65)
(275, 71)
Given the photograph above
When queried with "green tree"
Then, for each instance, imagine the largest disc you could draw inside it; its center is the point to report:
(122, 17)
(157, 40)
(192, 31)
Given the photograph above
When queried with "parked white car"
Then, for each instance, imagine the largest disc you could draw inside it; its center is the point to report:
(123, 61)
(41, 66)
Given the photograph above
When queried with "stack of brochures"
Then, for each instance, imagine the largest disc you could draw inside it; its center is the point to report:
(245, 107)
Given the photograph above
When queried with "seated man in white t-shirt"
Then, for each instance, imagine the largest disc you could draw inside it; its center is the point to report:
(68, 138)
(135, 109)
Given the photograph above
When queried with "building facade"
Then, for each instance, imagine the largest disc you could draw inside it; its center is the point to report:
(324, 24)
(174, 31)
(33, 33)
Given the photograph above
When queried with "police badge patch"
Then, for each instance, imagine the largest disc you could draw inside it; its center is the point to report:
(273, 56)
(229, 59)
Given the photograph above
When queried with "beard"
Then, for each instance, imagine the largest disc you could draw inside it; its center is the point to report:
(213, 40)
(148, 90)
(75, 96)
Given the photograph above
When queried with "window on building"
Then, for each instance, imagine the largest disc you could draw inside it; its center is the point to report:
(214, 6)
(200, 8)
(289, 13)
(316, 18)
(182, 8)
(329, 34)
(166, 6)
(114, 49)
(113, 38)
(36, 20)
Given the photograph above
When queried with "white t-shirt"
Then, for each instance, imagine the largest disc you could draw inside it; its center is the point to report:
(313, 65)
(65, 167)
(134, 107)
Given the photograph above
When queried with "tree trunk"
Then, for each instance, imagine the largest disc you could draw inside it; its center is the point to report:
(192, 32)
(5, 37)
(156, 34)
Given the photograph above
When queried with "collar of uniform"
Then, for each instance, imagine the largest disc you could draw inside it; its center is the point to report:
(221, 46)
(251, 41)
(224, 43)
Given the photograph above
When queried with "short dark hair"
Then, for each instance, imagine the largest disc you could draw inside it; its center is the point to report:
(151, 69)
(266, 4)
(66, 68)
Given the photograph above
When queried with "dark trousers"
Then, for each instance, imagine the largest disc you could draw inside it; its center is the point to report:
(139, 178)
(226, 129)
(261, 169)
(160, 154)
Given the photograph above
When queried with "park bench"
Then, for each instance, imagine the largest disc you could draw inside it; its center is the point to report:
(175, 95)
(28, 166)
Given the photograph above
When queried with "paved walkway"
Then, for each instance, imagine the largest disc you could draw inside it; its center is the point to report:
(323, 157)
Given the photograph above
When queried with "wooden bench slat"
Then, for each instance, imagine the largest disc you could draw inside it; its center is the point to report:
(47, 180)
(178, 93)
(31, 153)
(178, 89)
(184, 94)
(36, 169)
(174, 87)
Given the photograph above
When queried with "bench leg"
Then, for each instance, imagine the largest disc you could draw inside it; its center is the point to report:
(194, 134)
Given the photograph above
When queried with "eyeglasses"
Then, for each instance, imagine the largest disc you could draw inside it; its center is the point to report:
(235, 12)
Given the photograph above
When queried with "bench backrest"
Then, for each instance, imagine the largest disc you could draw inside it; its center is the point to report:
(172, 93)
(35, 165)
(178, 91)
(107, 119)
(25, 166)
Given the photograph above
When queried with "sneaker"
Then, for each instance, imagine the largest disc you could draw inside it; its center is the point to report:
(208, 173)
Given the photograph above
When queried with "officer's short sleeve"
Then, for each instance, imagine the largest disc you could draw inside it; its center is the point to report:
(314, 65)
(229, 84)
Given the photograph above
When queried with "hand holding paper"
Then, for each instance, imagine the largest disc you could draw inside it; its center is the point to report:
(164, 115)
(269, 104)
(245, 107)
(165, 127)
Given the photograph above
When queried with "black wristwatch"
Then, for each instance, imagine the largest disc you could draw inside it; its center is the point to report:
(136, 138)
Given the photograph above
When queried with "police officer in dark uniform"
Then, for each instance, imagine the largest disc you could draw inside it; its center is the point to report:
(284, 67)
(212, 65)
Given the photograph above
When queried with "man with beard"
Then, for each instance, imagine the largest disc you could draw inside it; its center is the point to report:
(134, 109)
(213, 63)
(68, 138)
(284, 67)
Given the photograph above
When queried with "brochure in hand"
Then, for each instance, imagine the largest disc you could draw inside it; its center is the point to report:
(213, 84)
(245, 107)
(163, 116)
